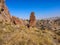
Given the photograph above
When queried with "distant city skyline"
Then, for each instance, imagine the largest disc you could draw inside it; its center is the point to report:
(42, 8)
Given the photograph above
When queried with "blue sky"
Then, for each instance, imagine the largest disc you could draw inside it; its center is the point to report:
(42, 8)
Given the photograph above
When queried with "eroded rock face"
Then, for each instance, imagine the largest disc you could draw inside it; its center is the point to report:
(1, 5)
(6, 17)
(4, 11)
(32, 22)
(17, 21)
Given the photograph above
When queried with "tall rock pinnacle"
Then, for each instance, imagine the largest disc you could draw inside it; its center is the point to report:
(32, 22)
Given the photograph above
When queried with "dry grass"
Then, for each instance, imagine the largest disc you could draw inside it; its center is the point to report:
(13, 35)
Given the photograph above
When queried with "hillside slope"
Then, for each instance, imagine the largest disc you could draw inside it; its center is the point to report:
(11, 34)
(15, 31)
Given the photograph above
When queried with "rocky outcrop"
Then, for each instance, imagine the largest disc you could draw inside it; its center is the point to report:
(1, 4)
(4, 11)
(6, 17)
(17, 21)
(32, 21)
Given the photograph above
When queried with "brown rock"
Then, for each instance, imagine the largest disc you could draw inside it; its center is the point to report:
(32, 22)
(17, 21)
(1, 5)
(4, 11)
(1, 18)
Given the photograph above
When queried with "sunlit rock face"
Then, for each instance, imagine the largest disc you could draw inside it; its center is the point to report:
(4, 11)
(1, 5)
(32, 22)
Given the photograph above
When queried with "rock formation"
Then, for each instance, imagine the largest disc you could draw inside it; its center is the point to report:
(6, 17)
(32, 21)
(4, 11)
(17, 21)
